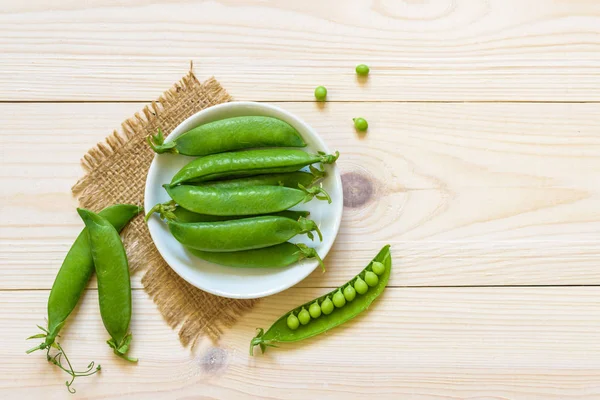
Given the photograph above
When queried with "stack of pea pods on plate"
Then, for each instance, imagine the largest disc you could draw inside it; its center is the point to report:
(231, 206)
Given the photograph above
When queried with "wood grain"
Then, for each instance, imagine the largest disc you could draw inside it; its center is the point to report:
(467, 194)
(419, 343)
(443, 50)
(501, 190)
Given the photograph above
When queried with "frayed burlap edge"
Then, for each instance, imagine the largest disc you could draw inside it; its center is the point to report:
(116, 172)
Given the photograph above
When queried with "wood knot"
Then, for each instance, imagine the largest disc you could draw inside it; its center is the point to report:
(358, 189)
(214, 360)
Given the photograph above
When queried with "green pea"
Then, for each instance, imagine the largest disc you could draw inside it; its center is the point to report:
(349, 293)
(360, 124)
(315, 310)
(371, 278)
(378, 267)
(338, 299)
(362, 69)
(321, 93)
(304, 316)
(327, 306)
(292, 322)
(360, 286)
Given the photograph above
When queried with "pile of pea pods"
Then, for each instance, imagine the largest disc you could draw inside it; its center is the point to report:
(231, 205)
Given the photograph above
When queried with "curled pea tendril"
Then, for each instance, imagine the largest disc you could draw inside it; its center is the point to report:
(57, 359)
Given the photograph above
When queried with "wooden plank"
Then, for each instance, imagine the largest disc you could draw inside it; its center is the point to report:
(419, 51)
(419, 343)
(467, 194)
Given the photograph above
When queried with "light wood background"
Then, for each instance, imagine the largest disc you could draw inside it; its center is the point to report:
(481, 167)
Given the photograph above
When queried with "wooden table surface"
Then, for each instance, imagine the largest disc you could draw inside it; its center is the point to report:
(481, 168)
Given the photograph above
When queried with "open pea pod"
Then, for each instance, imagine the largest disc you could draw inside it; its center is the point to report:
(322, 314)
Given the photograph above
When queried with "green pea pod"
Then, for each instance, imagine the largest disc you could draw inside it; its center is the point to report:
(75, 272)
(114, 286)
(240, 234)
(290, 179)
(280, 255)
(175, 212)
(248, 163)
(230, 134)
(245, 200)
(71, 280)
(280, 331)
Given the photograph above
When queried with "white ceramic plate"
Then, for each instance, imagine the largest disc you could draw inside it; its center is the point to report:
(242, 283)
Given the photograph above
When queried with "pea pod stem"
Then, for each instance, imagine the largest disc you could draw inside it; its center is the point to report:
(258, 341)
(328, 158)
(308, 226)
(121, 349)
(164, 210)
(318, 173)
(317, 192)
(309, 252)
(157, 143)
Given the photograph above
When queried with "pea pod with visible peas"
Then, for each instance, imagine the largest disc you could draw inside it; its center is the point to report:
(284, 331)
(230, 134)
(71, 280)
(247, 200)
(280, 255)
(247, 163)
(239, 234)
(114, 285)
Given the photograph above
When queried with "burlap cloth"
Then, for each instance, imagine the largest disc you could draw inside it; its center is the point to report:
(116, 173)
